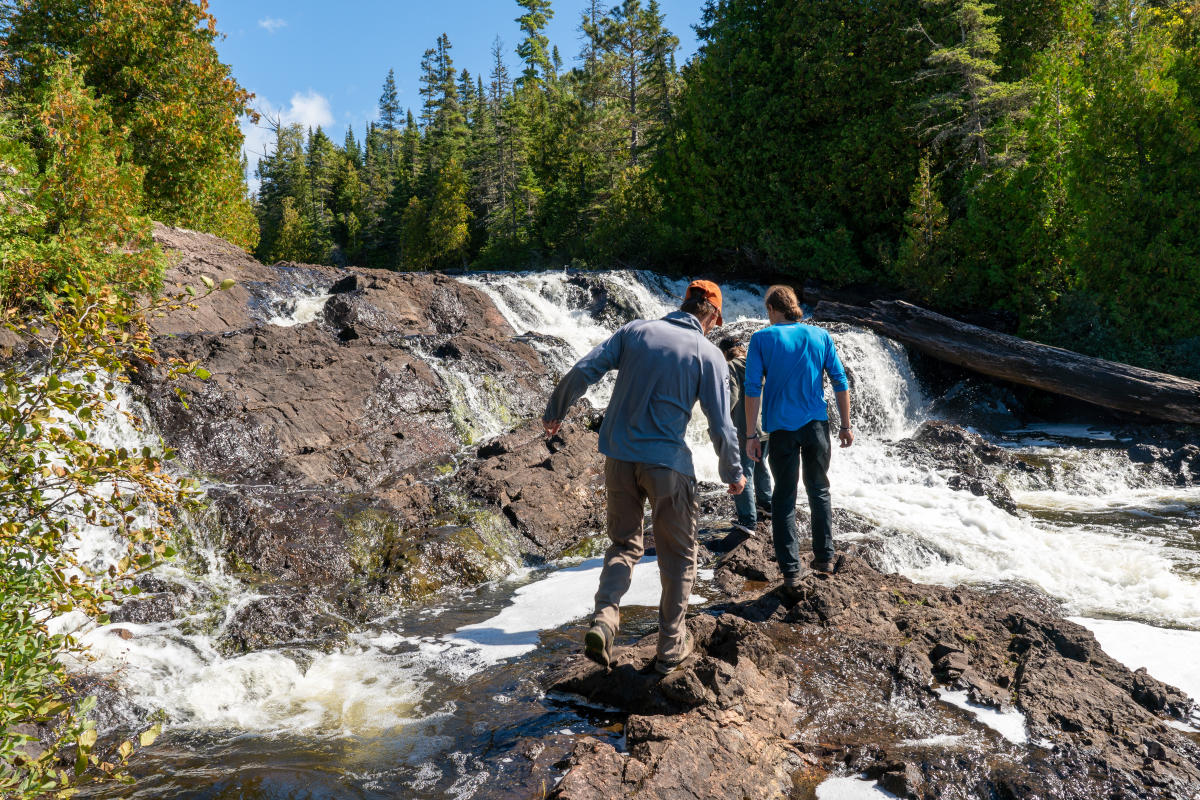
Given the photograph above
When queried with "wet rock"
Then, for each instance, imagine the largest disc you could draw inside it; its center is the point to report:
(551, 490)
(854, 646)
(324, 438)
(144, 609)
(717, 726)
(365, 555)
(1146, 454)
(418, 563)
(976, 464)
(753, 558)
(950, 662)
(292, 617)
(606, 303)
(900, 778)
(1184, 465)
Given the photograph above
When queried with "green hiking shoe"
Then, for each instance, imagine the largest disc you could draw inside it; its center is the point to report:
(598, 644)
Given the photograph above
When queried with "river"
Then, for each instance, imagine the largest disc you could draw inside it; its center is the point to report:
(427, 702)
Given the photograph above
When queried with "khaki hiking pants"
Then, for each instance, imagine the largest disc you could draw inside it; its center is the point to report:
(673, 512)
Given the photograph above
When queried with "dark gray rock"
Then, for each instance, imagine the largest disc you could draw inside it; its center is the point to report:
(837, 661)
(325, 439)
(975, 463)
(292, 617)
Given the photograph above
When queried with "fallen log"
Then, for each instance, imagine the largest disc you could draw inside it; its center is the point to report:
(1104, 383)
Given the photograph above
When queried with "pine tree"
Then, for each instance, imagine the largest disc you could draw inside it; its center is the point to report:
(346, 207)
(638, 48)
(413, 236)
(322, 160)
(442, 112)
(389, 103)
(533, 48)
(410, 156)
(292, 239)
(283, 175)
(448, 234)
(352, 149)
(919, 265)
(964, 116)
(465, 90)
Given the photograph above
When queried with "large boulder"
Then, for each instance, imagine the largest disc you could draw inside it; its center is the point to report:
(337, 401)
(551, 490)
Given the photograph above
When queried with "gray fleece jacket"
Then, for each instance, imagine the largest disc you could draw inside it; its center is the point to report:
(663, 367)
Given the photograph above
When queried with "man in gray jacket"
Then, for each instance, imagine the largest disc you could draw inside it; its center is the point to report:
(663, 367)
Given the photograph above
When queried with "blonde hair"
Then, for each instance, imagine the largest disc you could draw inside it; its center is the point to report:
(783, 299)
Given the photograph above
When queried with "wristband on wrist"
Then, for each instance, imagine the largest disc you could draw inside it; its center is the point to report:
(845, 428)
(755, 436)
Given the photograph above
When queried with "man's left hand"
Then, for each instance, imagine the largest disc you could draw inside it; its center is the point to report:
(736, 488)
(846, 437)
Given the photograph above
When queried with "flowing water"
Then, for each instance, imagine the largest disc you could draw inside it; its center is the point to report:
(428, 701)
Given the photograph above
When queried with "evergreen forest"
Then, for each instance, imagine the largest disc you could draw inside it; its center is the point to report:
(1033, 158)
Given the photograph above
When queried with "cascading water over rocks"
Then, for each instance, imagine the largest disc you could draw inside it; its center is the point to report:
(392, 553)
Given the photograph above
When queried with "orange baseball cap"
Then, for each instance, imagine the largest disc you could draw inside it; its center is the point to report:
(710, 292)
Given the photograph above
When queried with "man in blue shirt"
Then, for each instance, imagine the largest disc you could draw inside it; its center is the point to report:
(663, 367)
(794, 359)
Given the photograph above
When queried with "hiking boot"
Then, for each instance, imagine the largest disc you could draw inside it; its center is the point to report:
(818, 565)
(598, 644)
(664, 667)
(791, 586)
(743, 528)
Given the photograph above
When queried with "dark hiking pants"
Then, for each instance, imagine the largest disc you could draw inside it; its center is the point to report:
(795, 454)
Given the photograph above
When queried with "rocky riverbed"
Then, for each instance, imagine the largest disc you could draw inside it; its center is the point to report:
(368, 441)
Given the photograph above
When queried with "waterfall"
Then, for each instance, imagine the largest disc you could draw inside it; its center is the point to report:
(181, 667)
(925, 530)
(1097, 534)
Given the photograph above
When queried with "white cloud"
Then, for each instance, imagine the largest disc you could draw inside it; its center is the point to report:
(310, 109)
(271, 24)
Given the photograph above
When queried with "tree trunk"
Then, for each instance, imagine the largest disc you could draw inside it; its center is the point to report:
(1120, 387)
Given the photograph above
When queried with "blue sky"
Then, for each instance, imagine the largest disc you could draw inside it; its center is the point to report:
(322, 63)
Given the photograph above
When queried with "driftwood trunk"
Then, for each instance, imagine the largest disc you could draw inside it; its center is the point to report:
(1105, 383)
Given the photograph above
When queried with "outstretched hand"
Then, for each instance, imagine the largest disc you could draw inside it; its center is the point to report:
(552, 427)
(736, 488)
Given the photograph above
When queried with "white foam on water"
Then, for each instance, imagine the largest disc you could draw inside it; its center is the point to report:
(1171, 655)
(307, 308)
(841, 787)
(1119, 498)
(348, 692)
(1094, 473)
(1009, 724)
(938, 535)
(945, 740)
(165, 666)
(1068, 431)
(564, 596)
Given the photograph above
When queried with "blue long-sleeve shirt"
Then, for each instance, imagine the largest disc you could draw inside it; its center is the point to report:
(663, 367)
(793, 358)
